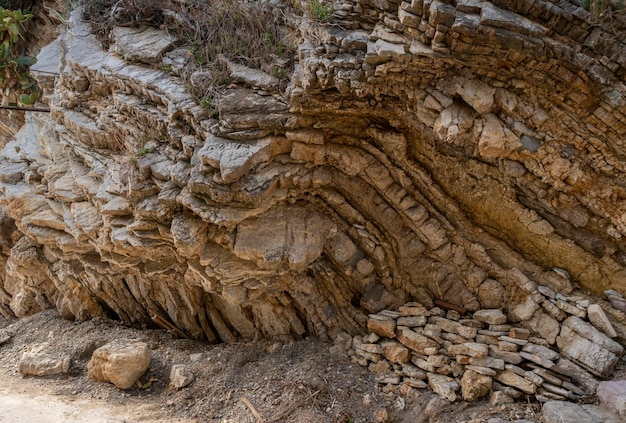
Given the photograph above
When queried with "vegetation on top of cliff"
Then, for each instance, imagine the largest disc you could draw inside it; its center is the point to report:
(606, 12)
(248, 33)
(17, 4)
(16, 83)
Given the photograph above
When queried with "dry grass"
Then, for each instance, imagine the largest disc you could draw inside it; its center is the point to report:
(250, 33)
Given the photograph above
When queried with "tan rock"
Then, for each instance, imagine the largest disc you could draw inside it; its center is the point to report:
(38, 360)
(511, 379)
(474, 385)
(496, 140)
(180, 376)
(121, 362)
(382, 325)
(414, 340)
(598, 318)
(443, 386)
(395, 352)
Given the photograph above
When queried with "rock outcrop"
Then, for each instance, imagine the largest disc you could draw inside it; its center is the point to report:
(462, 151)
(483, 353)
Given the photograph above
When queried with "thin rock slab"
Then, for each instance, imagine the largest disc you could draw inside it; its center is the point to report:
(121, 362)
(511, 379)
(563, 411)
(586, 345)
(444, 386)
(613, 394)
(599, 319)
(490, 316)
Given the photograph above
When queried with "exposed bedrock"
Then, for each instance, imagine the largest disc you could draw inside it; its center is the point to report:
(468, 151)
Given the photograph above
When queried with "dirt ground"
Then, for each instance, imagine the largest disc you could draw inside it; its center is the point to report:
(265, 381)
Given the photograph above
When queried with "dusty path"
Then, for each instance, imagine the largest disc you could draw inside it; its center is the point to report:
(283, 381)
(20, 408)
(24, 400)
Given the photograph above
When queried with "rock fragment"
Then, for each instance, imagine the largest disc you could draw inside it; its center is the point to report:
(562, 411)
(509, 378)
(491, 316)
(38, 360)
(180, 376)
(599, 319)
(585, 344)
(474, 385)
(443, 386)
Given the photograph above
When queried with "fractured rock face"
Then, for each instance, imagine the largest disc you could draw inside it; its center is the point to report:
(464, 152)
(584, 343)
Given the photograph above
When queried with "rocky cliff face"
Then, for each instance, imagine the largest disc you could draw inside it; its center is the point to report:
(465, 151)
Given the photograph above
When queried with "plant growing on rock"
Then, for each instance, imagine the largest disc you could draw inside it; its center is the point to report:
(321, 10)
(15, 78)
(247, 33)
(607, 12)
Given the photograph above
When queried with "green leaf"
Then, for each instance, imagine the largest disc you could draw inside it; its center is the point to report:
(26, 60)
(26, 99)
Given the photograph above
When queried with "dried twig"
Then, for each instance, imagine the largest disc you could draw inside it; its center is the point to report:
(26, 109)
(254, 410)
(166, 325)
(291, 409)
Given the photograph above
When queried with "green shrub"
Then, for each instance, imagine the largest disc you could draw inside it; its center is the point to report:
(248, 33)
(15, 78)
(322, 11)
(608, 12)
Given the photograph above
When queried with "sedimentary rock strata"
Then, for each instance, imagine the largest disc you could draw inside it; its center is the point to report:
(465, 152)
(471, 355)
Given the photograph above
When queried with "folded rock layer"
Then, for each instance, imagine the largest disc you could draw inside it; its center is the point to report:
(462, 151)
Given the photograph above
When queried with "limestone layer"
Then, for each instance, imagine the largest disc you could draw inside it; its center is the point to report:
(463, 151)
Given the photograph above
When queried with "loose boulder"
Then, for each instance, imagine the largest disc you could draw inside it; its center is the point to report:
(39, 361)
(121, 362)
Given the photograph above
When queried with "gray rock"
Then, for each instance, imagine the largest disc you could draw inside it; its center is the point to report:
(613, 394)
(585, 344)
(180, 376)
(599, 319)
(542, 351)
(562, 411)
(252, 77)
(4, 338)
(143, 44)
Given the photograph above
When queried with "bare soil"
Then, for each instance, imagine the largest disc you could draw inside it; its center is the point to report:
(264, 381)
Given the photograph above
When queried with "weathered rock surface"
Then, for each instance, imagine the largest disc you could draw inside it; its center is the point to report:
(613, 395)
(180, 376)
(501, 358)
(39, 360)
(121, 362)
(466, 152)
(561, 411)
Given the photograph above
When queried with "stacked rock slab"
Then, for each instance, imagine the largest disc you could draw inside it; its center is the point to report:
(468, 151)
(472, 356)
